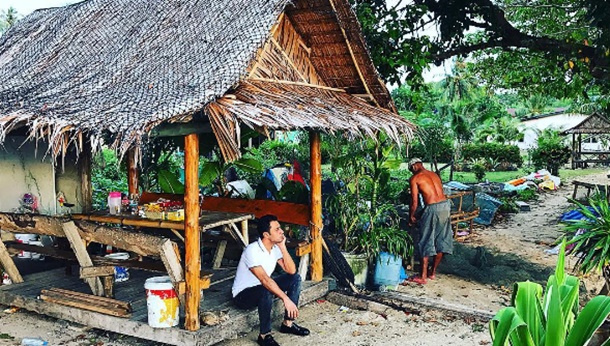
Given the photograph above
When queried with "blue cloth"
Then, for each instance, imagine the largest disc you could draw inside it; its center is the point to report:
(575, 215)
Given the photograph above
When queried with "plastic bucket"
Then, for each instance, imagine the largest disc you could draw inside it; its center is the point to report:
(162, 302)
(359, 264)
(387, 271)
(120, 273)
(25, 238)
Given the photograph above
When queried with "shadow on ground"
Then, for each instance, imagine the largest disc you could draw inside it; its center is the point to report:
(479, 264)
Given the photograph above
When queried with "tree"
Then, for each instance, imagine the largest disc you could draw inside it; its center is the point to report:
(553, 47)
(7, 19)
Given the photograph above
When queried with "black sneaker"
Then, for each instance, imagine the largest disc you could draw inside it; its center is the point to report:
(268, 340)
(294, 329)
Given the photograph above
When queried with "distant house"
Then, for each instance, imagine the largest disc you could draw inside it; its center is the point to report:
(560, 120)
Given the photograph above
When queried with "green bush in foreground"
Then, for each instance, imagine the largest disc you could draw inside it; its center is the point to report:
(549, 318)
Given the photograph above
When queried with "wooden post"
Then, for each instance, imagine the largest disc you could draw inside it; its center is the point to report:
(132, 172)
(78, 245)
(9, 265)
(316, 206)
(573, 150)
(191, 231)
(84, 168)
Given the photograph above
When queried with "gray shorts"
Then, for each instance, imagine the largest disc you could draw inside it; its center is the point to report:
(435, 228)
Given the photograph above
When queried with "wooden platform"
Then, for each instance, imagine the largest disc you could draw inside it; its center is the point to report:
(216, 298)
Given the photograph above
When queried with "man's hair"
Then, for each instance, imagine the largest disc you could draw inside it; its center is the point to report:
(264, 224)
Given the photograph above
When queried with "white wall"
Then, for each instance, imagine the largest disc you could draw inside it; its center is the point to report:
(25, 169)
(558, 122)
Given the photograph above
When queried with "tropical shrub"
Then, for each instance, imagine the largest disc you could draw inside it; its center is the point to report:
(590, 236)
(549, 317)
(504, 155)
(551, 152)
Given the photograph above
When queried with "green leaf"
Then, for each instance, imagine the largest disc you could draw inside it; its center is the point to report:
(508, 325)
(249, 165)
(555, 326)
(210, 171)
(169, 182)
(590, 318)
(526, 300)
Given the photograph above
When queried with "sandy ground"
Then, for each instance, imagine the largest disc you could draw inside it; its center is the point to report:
(525, 235)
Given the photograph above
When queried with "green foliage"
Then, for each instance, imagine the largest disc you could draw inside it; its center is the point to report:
(106, 175)
(551, 152)
(7, 19)
(537, 318)
(590, 235)
(504, 155)
(478, 168)
(213, 171)
(527, 195)
(169, 183)
(272, 152)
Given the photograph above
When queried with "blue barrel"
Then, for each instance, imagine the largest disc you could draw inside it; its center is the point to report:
(387, 270)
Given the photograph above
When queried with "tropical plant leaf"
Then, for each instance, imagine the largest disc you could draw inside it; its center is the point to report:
(507, 326)
(210, 171)
(169, 183)
(526, 300)
(589, 320)
(249, 165)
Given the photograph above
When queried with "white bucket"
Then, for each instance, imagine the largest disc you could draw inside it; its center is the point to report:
(25, 238)
(120, 273)
(162, 302)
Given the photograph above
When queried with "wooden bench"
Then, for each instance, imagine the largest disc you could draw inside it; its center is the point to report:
(595, 188)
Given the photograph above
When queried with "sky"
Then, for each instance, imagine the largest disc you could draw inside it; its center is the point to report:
(24, 7)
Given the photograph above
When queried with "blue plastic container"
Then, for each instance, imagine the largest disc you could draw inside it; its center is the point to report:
(387, 271)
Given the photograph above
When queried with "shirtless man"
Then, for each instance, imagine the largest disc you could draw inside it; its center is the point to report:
(434, 224)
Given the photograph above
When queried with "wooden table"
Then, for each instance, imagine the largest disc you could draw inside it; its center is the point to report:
(208, 220)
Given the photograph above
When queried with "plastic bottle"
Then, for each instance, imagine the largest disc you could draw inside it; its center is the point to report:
(34, 342)
(114, 202)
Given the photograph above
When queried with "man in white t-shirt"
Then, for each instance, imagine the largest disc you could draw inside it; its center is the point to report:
(253, 285)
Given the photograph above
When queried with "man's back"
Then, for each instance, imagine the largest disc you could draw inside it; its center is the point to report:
(429, 186)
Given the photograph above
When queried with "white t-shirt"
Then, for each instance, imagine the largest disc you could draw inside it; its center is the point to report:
(255, 254)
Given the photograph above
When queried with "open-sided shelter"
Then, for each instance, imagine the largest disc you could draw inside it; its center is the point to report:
(128, 70)
(596, 127)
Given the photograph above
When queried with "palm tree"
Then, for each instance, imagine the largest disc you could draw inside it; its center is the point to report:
(7, 19)
(459, 84)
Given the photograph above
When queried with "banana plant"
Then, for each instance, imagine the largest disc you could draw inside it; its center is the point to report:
(549, 318)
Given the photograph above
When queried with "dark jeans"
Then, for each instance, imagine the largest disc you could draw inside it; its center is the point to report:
(263, 298)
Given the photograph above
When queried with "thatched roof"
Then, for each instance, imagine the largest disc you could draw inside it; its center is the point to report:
(594, 124)
(126, 66)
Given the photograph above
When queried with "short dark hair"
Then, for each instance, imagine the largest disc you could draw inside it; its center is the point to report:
(264, 224)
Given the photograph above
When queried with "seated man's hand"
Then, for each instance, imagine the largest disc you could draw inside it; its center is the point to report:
(291, 308)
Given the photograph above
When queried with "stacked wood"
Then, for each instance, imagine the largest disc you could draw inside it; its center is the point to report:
(85, 301)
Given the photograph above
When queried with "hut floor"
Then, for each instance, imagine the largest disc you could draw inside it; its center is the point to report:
(215, 299)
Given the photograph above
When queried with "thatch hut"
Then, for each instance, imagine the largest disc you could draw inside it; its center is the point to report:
(126, 70)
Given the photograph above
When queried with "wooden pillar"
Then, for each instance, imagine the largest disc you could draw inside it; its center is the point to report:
(84, 168)
(132, 172)
(316, 206)
(573, 151)
(191, 231)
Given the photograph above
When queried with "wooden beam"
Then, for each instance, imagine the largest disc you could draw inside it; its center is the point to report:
(93, 272)
(316, 206)
(132, 172)
(288, 59)
(204, 283)
(191, 230)
(297, 83)
(351, 53)
(9, 265)
(78, 245)
(141, 244)
(84, 170)
(219, 254)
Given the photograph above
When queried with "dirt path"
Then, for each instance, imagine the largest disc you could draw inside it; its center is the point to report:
(479, 275)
